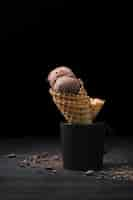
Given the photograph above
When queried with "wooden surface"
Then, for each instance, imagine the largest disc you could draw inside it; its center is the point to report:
(34, 183)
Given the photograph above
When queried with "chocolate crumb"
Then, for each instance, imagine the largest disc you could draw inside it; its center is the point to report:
(44, 154)
(49, 168)
(54, 171)
(89, 172)
(21, 164)
(35, 157)
(11, 155)
(55, 157)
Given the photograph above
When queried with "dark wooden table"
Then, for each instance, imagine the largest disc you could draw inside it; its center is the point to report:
(34, 184)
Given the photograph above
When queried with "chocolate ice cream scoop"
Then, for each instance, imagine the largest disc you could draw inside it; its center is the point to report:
(67, 84)
(58, 72)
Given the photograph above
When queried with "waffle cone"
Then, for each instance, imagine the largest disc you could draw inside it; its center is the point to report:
(96, 106)
(76, 108)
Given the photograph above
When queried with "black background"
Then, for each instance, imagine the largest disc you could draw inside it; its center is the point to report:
(35, 41)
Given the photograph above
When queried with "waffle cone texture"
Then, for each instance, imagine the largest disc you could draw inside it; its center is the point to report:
(77, 108)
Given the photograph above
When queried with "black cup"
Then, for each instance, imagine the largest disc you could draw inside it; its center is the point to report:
(82, 146)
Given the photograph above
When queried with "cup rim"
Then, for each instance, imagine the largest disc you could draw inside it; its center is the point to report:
(81, 125)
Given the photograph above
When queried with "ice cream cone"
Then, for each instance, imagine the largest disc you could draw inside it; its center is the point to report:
(76, 108)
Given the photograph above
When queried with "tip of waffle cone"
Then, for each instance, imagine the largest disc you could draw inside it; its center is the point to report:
(96, 105)
(97, 102)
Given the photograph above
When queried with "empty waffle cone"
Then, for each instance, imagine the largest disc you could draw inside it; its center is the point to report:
(96, 106)
(76, 108)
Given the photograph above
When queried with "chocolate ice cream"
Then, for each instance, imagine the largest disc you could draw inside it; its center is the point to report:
(65, 84)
